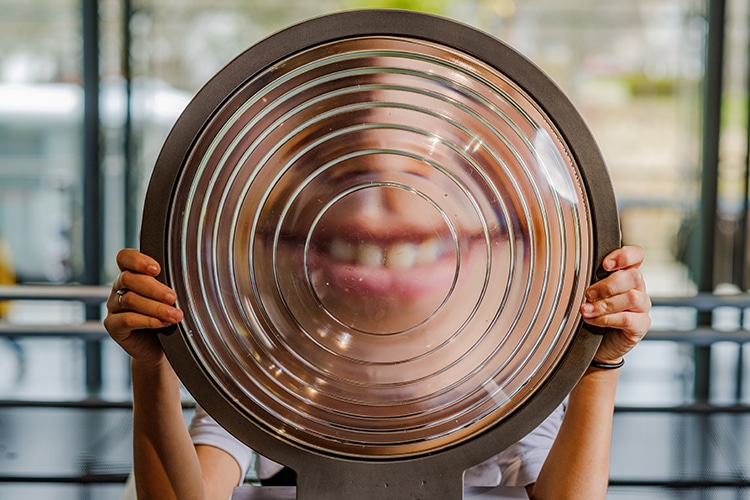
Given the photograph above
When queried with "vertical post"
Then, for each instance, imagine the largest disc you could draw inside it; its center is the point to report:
(92, 206)
(712, 98)
(132, 179)
(741, 253)
(739, 265)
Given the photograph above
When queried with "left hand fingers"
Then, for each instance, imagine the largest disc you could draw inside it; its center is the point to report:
(618, 283)
(633, 323)
(632, 299)
(625, 331)
(624, 258)
(624, 264)
(620, 300)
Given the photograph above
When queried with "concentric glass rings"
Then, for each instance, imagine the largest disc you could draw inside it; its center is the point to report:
(380, 244)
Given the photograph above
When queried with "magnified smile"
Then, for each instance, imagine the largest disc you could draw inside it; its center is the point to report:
(382, 259)
(393, 255)
(366, 269)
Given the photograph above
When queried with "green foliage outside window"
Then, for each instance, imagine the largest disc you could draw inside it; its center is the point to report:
(430, 6)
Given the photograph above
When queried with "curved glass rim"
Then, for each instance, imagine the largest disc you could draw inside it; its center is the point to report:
(382, 23)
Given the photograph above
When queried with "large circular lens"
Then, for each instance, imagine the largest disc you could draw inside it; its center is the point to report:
(380, 243)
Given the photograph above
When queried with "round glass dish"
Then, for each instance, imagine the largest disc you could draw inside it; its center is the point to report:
(380, 226)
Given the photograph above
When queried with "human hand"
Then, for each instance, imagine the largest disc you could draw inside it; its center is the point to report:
(619, 302)
(142, 303)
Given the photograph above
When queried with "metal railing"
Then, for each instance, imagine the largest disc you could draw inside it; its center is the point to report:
(94, 331)
(90, 295)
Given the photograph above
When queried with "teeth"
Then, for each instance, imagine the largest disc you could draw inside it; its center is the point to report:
(341, 250)
(401, 255)
(370, 255)
(429, 251)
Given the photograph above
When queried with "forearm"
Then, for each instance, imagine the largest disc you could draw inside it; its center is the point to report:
(165, 461)
(578, 463)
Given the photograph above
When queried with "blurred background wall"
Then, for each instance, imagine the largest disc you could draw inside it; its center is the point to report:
(89, 90)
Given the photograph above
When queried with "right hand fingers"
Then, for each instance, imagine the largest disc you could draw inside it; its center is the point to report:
(131, 259)
(137, 310)
(141, 298)
(138, 302)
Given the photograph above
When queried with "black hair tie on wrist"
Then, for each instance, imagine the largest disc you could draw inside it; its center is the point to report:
(608, 366)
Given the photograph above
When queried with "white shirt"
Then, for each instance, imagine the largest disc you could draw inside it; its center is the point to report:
(507, 473)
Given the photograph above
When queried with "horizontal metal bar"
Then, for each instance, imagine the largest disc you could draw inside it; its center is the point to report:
(699, 336)
(95, 330)
(82, 479)
(99, 294)
(681, 484)
(109, 478)
(690, 409)
(90, 330)
(101, 404)
(81, 404)
(80, 293)
(113, 478)
(704, 301)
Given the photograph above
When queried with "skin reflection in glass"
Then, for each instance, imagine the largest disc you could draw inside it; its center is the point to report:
(391, 261)
(388, 251)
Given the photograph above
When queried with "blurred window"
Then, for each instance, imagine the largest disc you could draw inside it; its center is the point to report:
(634, 70)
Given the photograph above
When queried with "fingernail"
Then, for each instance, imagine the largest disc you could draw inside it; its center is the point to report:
(153, 270)
(587, 308)
(175, 315)
(609, 264)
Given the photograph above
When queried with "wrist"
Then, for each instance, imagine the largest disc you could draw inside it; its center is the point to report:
(154, 384)
(150, 368)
